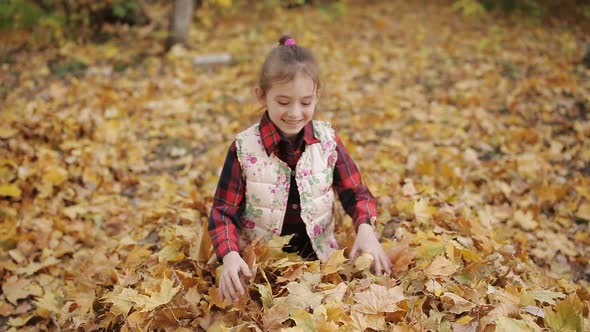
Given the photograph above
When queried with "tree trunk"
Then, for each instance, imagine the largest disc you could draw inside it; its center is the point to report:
(180, 21)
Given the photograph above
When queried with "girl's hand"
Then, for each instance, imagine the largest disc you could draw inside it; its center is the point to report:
(230, 285)
(366, 241)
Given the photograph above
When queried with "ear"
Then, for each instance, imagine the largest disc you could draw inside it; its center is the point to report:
(259, 95)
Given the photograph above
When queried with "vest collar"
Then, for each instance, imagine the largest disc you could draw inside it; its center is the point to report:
(271, 136)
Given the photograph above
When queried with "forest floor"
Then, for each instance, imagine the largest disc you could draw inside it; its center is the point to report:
(473, 134)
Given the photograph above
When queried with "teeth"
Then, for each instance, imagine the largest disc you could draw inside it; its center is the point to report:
(291, 122)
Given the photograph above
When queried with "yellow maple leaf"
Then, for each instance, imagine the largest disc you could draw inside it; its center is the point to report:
(441, 266)
(434, 287)
(458, 305)
(91, 178)
(170, 253)
(75, 211)
(84, 299)
(273, 318)
(156, 298)
(275, 248)
(265, 294)
(215, 298)
(303, 319)
(363, 262)
(334, 310)
(34, 267)
(137, 256)
(334, 263)
(336, 293)
(567, 315)
(423, 211)
(528, 165)
(322, 325)
(429, 245)
(584, 211)
(20, 320)
(379, 299)
(505, 324)
(50, 303)
(302, 295)
(546, 296)
(136, 321)
(506, 303)
(16, 289)
(55, 176)
(6, 132)
(10, 190)
(408, 188)
(123, 301)
(583, 191)
(525, 220)
(193, 295)
(361, 321)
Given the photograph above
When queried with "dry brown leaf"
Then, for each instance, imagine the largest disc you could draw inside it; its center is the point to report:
(15, 289)
(274, 317)
(457, 304)
(302, 295)
(441, 266)
(378, 299)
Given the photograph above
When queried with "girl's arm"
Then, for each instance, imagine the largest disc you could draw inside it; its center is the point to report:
(360, 204)
(357, 200)
(224, 226)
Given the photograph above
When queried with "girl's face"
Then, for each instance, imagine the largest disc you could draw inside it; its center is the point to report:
(290, 104)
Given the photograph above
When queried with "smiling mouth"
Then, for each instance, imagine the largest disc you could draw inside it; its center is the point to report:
(291, 123)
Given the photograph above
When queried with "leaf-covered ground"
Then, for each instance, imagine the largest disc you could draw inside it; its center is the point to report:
(472, 133)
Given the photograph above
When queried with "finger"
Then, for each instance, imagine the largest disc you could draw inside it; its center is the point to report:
(384, 267)
(378, 268)
(386, 263)
(230, 287)
(382, 258)
(224, 292)
(387, 267)
(227, 291)
(353, 251)
(238, 284)
(246, 270)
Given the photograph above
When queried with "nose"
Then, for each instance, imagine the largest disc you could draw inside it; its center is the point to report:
(295, 111)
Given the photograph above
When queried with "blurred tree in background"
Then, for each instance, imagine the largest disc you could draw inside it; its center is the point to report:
(81, 19)
(29, 14)
(57, 20)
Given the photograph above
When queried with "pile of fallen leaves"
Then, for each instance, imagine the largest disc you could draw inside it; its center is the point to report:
(472, 134)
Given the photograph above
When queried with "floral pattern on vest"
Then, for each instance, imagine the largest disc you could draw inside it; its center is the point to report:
(268, 184)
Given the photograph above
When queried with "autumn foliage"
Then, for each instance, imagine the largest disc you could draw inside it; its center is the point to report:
(472, 134)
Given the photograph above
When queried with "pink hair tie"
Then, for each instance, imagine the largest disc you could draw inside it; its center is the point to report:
(290, 42)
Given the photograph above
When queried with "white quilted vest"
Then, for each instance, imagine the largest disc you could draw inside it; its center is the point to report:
(267, 188)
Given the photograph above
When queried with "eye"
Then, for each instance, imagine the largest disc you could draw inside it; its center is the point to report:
(284, 103)
(306, 104)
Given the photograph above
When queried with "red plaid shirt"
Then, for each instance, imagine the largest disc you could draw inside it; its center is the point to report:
(228, 203)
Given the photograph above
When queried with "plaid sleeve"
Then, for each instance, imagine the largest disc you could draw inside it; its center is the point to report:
(228, 203)
(355, 197)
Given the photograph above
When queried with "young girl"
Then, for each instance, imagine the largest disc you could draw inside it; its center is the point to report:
(279, 174)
